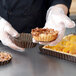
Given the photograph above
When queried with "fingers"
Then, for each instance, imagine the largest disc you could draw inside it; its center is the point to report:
(53, 43)
(9, 43)
(44, 43)
(14, 47)
(59, 38)
(68, 22)
(6, 26)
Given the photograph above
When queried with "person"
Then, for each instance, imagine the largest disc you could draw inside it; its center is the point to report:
(19, 16)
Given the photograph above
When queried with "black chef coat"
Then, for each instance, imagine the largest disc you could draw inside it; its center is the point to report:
(27, 14)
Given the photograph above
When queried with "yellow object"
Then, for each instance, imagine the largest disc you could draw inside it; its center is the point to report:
(67, 45)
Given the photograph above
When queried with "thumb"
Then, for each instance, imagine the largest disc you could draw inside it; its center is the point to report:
(11, 31)
(34, 41)
(53, 43)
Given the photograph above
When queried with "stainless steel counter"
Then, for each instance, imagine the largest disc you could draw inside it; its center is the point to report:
(33, 63)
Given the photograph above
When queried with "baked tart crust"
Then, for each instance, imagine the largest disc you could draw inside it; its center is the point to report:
(5, 58)
(44, 34)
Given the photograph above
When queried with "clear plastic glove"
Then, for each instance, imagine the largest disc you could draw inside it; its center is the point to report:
(6, 30)
(57, 20)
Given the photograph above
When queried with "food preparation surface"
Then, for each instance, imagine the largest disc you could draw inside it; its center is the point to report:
(33, 63)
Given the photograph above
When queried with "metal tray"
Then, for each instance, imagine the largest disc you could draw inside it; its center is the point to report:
(60, 55)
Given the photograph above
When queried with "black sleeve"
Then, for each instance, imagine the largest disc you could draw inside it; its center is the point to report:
(65, 2)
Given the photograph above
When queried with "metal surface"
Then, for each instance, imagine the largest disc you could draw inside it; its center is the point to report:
(33, 63)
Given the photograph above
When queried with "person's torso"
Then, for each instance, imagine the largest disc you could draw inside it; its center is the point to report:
(24, 14)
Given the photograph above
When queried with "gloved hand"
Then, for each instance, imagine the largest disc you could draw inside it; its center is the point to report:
(6, 30)
(57, 20)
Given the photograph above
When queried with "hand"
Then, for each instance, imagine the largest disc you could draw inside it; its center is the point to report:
(6, 30)
(57, 20)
